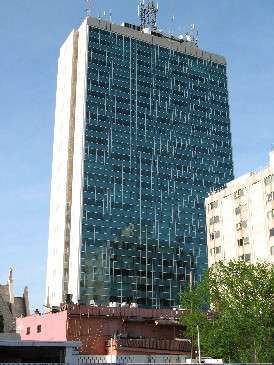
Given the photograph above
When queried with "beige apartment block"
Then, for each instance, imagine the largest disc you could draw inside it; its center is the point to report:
(240, 219)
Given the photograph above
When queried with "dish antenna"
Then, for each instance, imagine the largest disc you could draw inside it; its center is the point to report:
(147, 12)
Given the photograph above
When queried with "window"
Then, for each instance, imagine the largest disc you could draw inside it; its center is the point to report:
(218, 250)
(214, 219)
(243, 241)
(213, 205)
(246, 257)
(28, 331)
(214, 235)
(238, 193)
(268, 180)
(246, 240)
(271, 232)
(270, 214)
(215, 250)
(240, 242)
(272, 250)
(270, 196)
(39, 328)
(241, 225)
(237, 210)
(217, 234)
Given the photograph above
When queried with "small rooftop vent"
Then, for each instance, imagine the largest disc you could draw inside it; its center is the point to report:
(113, 304)
(55, 309)
(124, 304)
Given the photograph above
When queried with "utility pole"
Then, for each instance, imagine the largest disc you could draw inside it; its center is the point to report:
(192, 337)
(199, 347)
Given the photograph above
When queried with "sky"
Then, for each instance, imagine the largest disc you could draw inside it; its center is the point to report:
(31, 33)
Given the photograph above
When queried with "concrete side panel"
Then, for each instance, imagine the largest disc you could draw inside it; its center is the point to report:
(59, 181)
(78, 161)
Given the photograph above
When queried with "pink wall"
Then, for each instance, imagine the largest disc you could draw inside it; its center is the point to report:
(53, 327)
(95, 326)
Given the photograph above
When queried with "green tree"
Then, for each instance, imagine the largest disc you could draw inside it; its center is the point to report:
(234, 309)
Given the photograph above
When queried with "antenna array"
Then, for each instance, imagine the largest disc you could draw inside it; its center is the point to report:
(147, 12)
(192, 35)
(88, 4)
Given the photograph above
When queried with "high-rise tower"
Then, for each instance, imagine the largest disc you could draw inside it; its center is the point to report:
(142, 134)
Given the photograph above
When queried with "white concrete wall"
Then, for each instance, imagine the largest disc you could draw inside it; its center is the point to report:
(258, 228)
(227, 232)
(78, 160)
(59, 183)
(130, 359)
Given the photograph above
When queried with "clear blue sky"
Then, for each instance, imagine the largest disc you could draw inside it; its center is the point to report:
(31, 32)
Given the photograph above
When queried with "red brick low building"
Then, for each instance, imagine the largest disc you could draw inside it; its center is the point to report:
(110, 330)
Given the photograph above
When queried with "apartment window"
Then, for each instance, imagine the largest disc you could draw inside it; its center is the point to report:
(39, 328)
(268, 180)
(247, 257)
(270, 214)
(214, 235)
(218, 250)
(240, 242)
(270, 196)
(246, 240)
(237, 210)
(28, 331)
(214, 219)
(213, 205)
(215, 250)
(271, 232)
(238, 193)
(241, 225)
(243, 241)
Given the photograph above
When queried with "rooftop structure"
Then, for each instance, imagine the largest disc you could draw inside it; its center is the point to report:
(142, 134)
(240, 218)
(113, 331)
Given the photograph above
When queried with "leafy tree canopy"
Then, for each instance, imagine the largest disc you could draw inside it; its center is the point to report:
(234, 309)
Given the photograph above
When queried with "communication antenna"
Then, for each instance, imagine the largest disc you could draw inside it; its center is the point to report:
(172, 24)
(192, 35)
(88, 4)
(147, 12)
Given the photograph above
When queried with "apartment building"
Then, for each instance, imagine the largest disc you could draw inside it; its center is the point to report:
(240, 218)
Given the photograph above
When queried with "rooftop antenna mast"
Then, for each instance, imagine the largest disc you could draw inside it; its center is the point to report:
(88, 4)
(193, 34)
(147, 12)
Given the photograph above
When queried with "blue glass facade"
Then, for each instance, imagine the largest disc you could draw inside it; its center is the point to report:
(157, 140)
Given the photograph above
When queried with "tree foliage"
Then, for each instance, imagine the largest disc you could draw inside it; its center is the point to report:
(234, 308)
